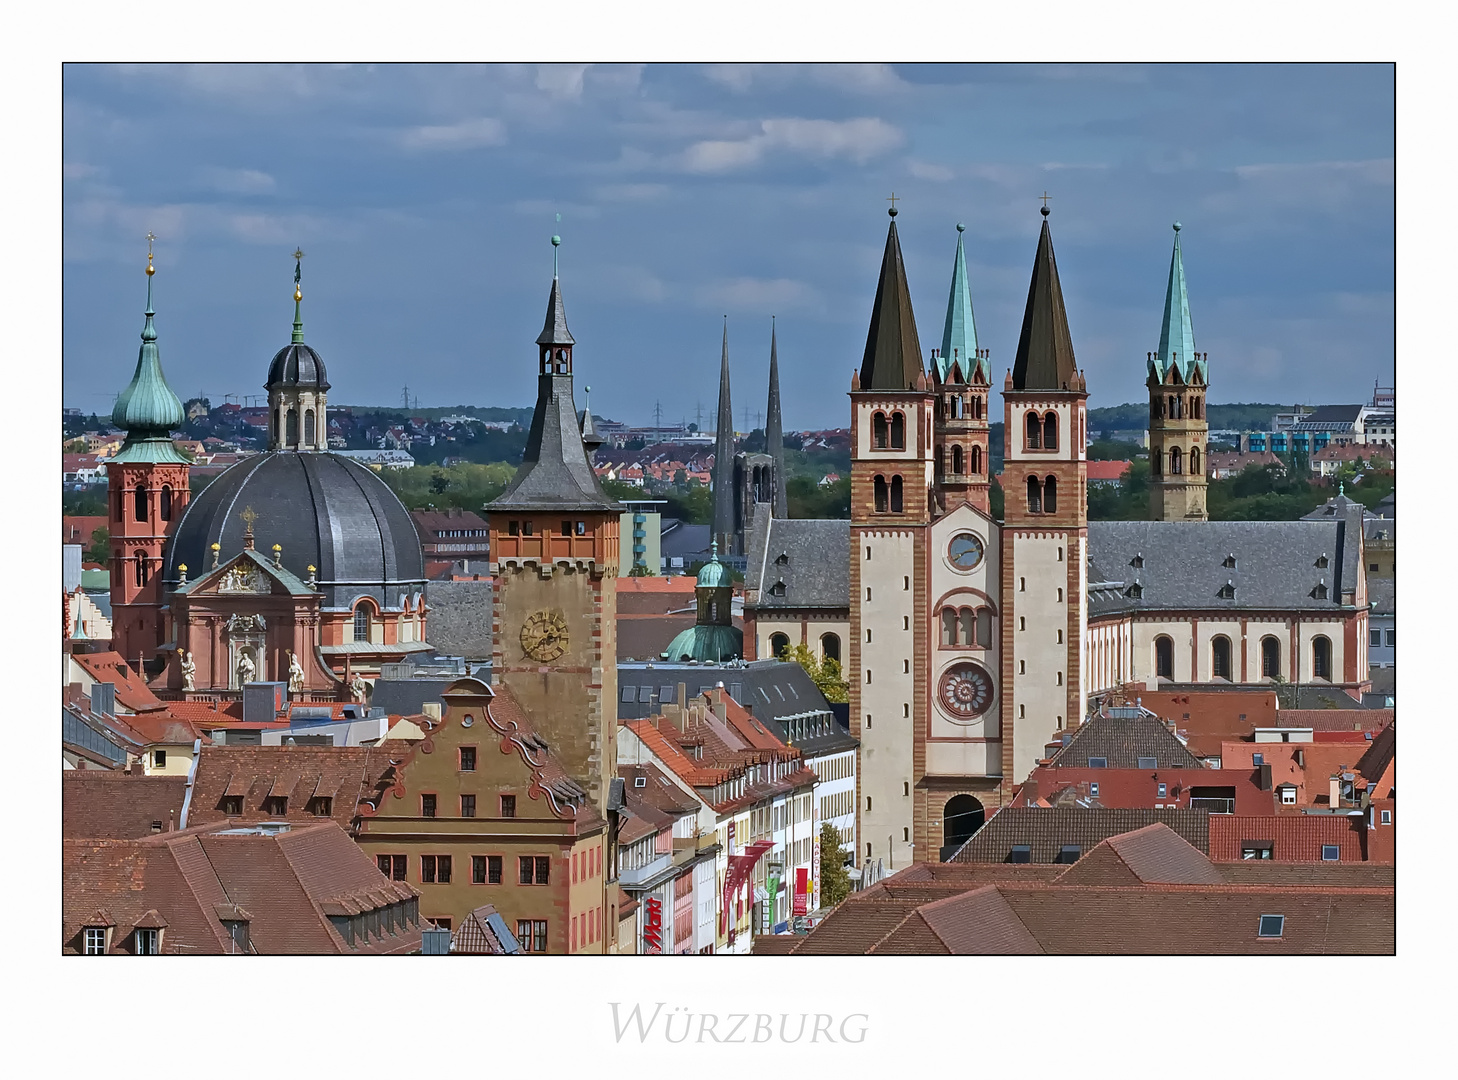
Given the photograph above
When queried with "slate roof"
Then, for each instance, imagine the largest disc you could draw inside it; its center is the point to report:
(101, 804)
(809, 556)
(1183, 564)
(297, 364)
(1382, 595)
(1044, 359)
(892, 360)
(1122, 741)
(1046, 829)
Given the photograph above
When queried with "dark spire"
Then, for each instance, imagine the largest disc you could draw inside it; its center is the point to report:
(555, 473)
(723, 527)
(774, 436)
(893, 353)
(591, 440)
(1045, 349)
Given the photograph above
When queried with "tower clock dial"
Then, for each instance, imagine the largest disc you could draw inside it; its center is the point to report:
(965, 551)
(544, 635)
(965, 691)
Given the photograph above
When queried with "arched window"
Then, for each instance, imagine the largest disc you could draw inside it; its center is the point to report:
(957, 459)
(954, 408)
(896, 494)
(291, 428)
(1194, 461)
(1164, 657)
(880, 489)
(1220, 657)
(1050, 495)
(830, 647)
(949, 626)
(898, 431)
(966, 626)
(1170, 412)
(984, 627)
(1175, 462)
(139, 502)
(1156, 464)
(1035, 496)
(1321, 658)
(878, 431)
(362, 623)
(1270, 658)
(144, 570)
(273, 425)
(778, 644)
(975, 468)
(164, 503)
(962, 816)
(308, 427)
(1050, 431)
(1035, 431)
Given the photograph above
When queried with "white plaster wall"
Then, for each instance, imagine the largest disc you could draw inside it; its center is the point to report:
(887, 697)
(1039, 657)
(766, 626)
(955, 588)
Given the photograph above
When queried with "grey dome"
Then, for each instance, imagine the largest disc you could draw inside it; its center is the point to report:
(326, 511)
(296, 365)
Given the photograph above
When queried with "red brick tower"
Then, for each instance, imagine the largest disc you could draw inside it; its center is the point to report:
(146, 494)
(960, 378)
(1045, 530)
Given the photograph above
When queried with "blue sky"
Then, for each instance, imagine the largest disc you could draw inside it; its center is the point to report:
(424, 197)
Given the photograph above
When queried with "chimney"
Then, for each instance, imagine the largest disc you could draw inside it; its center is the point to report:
(1334, 791)
(1263, 779)
(103, 699)
(682, 691)
(720, 709)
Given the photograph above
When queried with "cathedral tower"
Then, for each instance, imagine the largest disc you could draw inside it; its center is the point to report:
(722, 531)
(1178, 378)
(891, 482)
(147, 490)
(554, 554)
(1045, 530)
(774, 433)
(297, 387)
(960, 380)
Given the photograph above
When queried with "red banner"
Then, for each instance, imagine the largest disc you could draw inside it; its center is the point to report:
(802, 891)
(653, 925)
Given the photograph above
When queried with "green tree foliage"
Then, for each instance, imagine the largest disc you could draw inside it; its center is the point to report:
(1114, 450)
(88, 502)
(805, 498)
(835, 884)
(469, 486)
(693, 503)
(826, 674)
(100, 549)
(995, 501)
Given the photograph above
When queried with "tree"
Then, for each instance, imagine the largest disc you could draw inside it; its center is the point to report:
(826, 674)
(100, 549)
(835, 883)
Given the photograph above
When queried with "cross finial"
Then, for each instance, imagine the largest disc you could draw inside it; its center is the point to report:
(1045, 197)
(249, 516)
(892, 201)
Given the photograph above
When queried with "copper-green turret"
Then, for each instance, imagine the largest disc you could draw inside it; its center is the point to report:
(147, 410)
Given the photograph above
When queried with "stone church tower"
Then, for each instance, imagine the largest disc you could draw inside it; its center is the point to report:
(1178, 379)
(1045, 527)
(147, 490)
(892, 417)
(960, 380)
(554, 554)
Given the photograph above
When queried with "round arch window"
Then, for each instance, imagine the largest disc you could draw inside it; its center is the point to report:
(966, 551)
(965, 691)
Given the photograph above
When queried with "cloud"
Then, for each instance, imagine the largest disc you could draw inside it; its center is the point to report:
(858, 140)
(237, 181)
(561, 80)
(78, 170)
(925, 170)
(465, 135)
(631, 192)
(855, 78)
(630, 282)
(758, 295)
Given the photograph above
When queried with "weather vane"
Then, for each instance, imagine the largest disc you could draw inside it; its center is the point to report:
(150, 238)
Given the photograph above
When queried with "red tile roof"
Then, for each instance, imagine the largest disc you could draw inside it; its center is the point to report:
(1293, 837)
(132, 691)
(1335, 719)
(344, 774)
(1107, 470)
(101, 804)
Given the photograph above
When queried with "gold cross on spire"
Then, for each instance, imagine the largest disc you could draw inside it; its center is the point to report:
(1045, 197)
(249, 517)
(298, 254)
(892, 201)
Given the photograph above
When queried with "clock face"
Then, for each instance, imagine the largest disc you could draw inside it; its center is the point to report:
(966, 691)
(544, 635)
(965, 551)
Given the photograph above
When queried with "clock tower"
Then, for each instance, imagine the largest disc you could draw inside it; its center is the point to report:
(554, 557)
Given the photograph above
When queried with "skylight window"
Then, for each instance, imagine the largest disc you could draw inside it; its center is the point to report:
(1020, 853)
(1069, 853)
(1148, 763)
(1098, 763)
(1258, 759)
(1330, 852)
(1271, 926)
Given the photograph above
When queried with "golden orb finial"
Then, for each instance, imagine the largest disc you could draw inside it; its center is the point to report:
(150, 268)
(298, 293)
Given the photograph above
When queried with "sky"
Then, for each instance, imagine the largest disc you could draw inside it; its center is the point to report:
(424, 198)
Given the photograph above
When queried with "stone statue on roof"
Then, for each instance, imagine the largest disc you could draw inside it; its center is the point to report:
(296, 674)
(189, 671)
(359, 687)
(246, 668)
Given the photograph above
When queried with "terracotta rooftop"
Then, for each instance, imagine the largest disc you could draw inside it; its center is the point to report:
(132, 691)
(1296, 838)
(99, 804)
(299, 774)
(1046, 831)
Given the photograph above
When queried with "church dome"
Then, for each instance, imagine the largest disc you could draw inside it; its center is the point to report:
(326, 511)
(297, 365)
(715, 575)
(706, 642)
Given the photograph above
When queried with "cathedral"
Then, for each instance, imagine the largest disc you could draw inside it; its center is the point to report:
(294, 566)
(969, 643)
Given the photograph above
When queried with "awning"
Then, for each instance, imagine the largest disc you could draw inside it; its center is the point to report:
(761, 896)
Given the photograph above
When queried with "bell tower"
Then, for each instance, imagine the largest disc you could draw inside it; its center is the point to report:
(961, 384)
(1178, 431)
(298, 388)
(554, 555)
(892, 409)
(147, 490)
(1045, 530)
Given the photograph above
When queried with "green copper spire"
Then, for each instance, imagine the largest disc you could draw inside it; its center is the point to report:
(147, 409)
(298, 296)
(959, 334)
(1177, 336)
